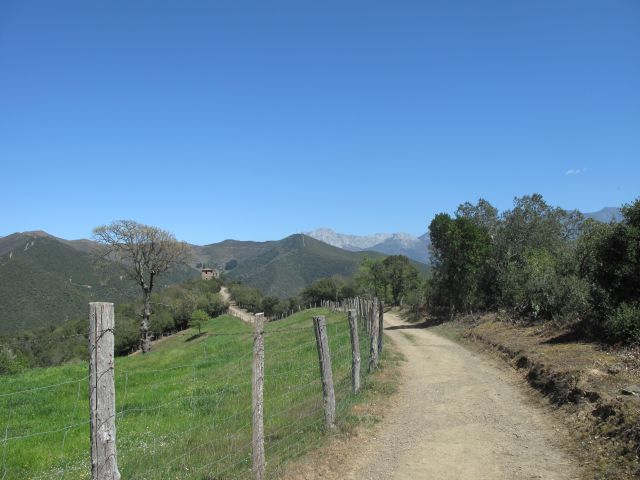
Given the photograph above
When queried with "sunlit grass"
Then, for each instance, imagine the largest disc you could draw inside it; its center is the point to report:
(184, 410)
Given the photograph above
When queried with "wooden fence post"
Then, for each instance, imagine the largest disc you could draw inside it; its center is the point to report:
(355, 351)
(324, 358)
(373, 358)
(380, 326)
(258, 404)
(102, 392)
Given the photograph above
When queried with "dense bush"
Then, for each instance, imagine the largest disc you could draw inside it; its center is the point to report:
(611, 262)
(393, 280)
(623, 322)
(11, 361)
(334, 288)
(254, 301)
(246, 297)
(541, 263)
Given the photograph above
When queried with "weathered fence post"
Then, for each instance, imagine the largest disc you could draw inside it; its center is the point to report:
(102, 392)
(355, 351)
(324, 358)
(373, 358)
(380, 326)
(258, 404)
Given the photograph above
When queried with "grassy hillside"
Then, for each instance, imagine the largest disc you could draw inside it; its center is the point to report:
(184, 410)
(45, 281)
(286, 267)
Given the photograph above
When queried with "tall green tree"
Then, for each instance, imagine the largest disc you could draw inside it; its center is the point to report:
(482, 214)
(401, 277)
(371, 277)
(460, 249)
(535, 260)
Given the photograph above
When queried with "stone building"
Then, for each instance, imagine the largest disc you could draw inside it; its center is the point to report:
(209, 273)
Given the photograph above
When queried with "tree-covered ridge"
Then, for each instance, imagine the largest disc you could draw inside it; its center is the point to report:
(284, 268)
(44, 282)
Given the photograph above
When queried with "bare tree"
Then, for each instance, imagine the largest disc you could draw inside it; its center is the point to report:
(144, 252)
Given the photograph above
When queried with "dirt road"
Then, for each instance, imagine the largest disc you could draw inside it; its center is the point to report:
(234, 310)
(458, 417)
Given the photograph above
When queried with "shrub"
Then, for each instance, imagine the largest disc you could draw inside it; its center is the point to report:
(10, 361)
(215, 305)
(623, 323)
(198, 319)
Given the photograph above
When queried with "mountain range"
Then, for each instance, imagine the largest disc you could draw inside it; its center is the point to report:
(45, 280)
(281, 267)
(416, 248)
(606, 215)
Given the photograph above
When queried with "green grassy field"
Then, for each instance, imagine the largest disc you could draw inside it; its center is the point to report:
(184, 410)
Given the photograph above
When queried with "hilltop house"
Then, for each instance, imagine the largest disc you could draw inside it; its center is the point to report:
(209, 273)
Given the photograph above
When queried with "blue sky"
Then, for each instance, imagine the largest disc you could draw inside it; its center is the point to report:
(255, 120)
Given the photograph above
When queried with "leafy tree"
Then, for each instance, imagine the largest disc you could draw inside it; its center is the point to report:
(246, 297)
(198, 319)
(533, 224)
(618, 255)
(611, 260)
(161, 322)
(323, 289)
(144, 252)
(215, 305)
(534, 257)
(482, 214)
(371, 277)
(400, 275)
(460, 249)
(348, 289)
(389, 279)
(270, 305)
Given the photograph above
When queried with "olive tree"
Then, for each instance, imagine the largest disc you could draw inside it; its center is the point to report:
(144, 252)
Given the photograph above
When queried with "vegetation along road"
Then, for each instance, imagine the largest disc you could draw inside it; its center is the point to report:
(456, 416)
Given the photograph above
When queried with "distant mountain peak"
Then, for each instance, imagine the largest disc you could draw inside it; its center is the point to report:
(348, 242)
(399, 243)
(606, 215)
(37, 233)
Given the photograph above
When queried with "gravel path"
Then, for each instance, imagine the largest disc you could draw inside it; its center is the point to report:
(457, 417)
(234, 310)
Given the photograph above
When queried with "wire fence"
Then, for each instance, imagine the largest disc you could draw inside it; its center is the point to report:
(186, 413)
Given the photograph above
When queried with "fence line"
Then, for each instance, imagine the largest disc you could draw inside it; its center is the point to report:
(192, 419)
